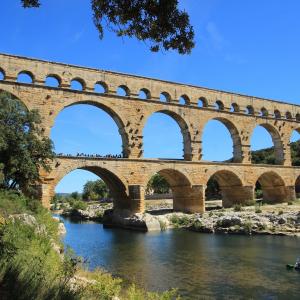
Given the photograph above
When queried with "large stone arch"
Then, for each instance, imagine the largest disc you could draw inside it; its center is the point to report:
(273, 187)
(112, 113)
(232, 189)
(277, 141)
(237, 155)
(115, 182)
(187, 197)
(184, 128)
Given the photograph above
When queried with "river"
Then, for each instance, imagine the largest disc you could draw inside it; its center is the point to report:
(208, 266)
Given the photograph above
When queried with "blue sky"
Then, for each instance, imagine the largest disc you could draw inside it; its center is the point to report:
(250, 47)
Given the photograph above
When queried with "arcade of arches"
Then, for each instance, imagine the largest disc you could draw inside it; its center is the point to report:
(127, 176)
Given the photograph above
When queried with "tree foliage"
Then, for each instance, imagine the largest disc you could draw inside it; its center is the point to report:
(24, 150)
(95, 190)
(159, 22)
(158, 185)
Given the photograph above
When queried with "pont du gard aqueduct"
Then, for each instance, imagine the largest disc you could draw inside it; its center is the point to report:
(128, 176)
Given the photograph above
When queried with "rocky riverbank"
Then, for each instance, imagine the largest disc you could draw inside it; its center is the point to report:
(228, 222)
(281, 219)
(93, 212)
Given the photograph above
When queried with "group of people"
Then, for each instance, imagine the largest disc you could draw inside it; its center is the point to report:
(91, 155)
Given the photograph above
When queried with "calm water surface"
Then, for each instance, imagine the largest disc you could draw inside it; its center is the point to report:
(201, 266)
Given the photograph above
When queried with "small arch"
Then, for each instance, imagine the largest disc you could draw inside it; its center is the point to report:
(53, 81)
(184, 100)
(180, 186)
(277, 114)
(165, 97)
(234, 107)
(288, 115)
(249, 110)
(144, 94)
(123, 91)
(101, 87)
(25, 77)
(219, 105)
(264, 112)
(298, 117)
(272, 187)
(77, 84)
(202, 102)
(226, 185)
(2, 74)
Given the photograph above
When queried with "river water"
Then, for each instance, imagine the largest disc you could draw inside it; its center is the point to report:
(201, 266)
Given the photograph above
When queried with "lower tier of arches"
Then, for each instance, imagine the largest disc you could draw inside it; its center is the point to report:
(127, 181)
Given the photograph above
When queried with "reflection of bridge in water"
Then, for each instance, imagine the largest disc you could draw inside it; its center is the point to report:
(127, 177)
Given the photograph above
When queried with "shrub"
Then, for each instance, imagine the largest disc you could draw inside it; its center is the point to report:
(258, 210)
(237, 207)
(280, 212)
(78, 204)
(248, 226)
(210, 214)
(197, 224)
(104, 286)
(182, 221)
(163, 225)
(30, 267)
(290, 203)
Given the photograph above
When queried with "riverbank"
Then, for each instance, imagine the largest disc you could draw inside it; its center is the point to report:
(277, 219)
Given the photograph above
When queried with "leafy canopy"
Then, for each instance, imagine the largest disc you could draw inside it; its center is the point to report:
(158, 185)
(160, 22)
(95, 190)
(24, 150)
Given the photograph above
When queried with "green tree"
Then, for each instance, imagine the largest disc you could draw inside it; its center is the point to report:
(213, 191)
(24, 150)
(75, 195)
(158, 184)
(95, 190)
(159, 22)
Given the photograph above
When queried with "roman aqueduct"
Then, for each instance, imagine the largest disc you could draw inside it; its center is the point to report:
(127, 177)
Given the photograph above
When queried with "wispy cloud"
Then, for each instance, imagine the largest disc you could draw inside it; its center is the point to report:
(218, 44)
(215, 37)
(78, 35)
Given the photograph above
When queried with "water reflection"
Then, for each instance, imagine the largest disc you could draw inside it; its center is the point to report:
(199, 265)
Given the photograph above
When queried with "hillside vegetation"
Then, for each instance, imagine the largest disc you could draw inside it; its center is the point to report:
(267, 156)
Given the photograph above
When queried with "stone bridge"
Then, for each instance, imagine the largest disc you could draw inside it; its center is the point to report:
(190, 106)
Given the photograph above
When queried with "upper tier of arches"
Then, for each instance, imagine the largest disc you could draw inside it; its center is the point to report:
(191, 131)
(96, 81)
